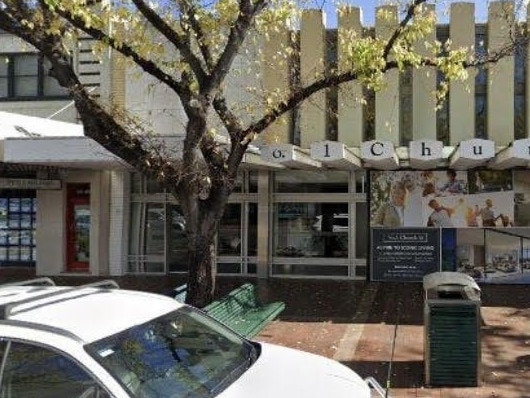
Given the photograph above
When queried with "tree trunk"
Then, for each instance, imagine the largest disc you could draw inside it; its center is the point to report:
(201, 270)
(203, 205)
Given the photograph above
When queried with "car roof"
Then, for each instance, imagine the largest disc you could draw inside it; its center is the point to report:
(90, 312)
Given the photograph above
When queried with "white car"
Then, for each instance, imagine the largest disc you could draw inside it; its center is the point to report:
(98, 341)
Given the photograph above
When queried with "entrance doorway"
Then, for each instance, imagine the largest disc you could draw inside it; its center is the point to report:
(77, 227)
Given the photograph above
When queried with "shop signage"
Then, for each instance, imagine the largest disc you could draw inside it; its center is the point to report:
(335, 154)
(327, 150)
(278, 153)
(521, 148)
(477, 149)
(472, 153)
(404, 254)
(425, 154)
(290, 156)
(377, 150)
(29, 183)
(379, 155)
(426, 149)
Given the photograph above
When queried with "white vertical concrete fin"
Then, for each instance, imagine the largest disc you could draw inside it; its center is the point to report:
(313, 120)
(350, 108)
(387, 100)
(501, 83)
(462, 94)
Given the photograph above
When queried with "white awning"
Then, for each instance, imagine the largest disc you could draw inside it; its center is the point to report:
(254, 161)
(80, 152)
(14, 125)
(517, 154)
(40, 141)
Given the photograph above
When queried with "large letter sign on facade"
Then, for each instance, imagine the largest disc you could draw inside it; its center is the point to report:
(472, 153)
(380, 155)
(289, 155)
(425, 154)
(335, 154)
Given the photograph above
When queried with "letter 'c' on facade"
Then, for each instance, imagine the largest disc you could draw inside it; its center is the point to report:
(373, 149)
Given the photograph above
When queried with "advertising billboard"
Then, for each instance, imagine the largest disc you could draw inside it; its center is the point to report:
(445, 199)
(482, 218)
(404, 254)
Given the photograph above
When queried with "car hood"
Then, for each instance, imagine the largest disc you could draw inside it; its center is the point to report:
(285, 373)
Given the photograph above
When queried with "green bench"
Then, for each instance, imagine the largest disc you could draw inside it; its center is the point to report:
(240, 309)
(179, 293)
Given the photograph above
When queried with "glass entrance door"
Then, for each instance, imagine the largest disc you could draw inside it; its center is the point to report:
(78, 228)
(177, 242)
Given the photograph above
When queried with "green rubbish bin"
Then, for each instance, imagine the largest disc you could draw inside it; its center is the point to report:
(452, 330)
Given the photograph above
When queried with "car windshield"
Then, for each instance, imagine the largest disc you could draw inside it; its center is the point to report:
(181, 354)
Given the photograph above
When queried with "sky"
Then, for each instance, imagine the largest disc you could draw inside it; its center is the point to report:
(368, 9)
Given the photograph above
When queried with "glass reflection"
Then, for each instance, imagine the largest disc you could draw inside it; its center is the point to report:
(311, 230)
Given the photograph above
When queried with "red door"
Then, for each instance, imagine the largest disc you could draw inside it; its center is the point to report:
(77, 227)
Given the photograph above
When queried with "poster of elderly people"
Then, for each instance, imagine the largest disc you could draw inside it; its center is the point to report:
(442, 198)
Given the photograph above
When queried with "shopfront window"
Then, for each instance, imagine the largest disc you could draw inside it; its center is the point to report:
(158, 239)
(177, 242)
(229, 236)
(147, 238)
(237, 239)
(17, 228)
(315, 217)
(311, 230)
(361, 232)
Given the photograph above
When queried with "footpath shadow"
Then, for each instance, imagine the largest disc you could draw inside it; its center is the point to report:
(314, 300)
(499, 295)
(400, 303)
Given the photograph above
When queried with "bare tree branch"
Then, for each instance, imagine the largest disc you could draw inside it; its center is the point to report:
(189, 10)
(210, 151)
(169, 33)
(230, 120)
(247, 14)
(147, 66)
(234, 126)
(411, 11)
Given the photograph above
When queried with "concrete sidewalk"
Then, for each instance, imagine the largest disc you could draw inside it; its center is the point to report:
(355, 323)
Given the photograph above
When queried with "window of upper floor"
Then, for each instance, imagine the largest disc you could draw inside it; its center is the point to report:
(25, 76)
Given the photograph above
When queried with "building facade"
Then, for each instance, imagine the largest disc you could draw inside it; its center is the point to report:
(389, 188)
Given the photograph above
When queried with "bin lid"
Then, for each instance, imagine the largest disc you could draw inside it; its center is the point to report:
(448, 278)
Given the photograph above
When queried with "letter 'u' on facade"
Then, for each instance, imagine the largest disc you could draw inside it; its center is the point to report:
(313, 126)
(276, 77)
(462, 94)
(500, 75)
(387, 100)
(350, 108)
